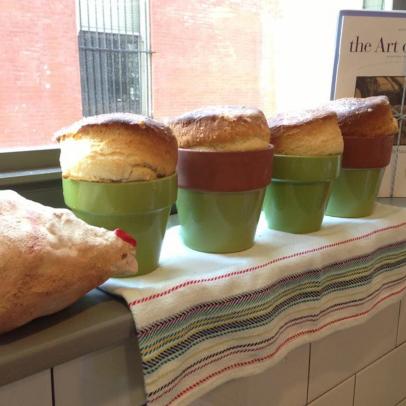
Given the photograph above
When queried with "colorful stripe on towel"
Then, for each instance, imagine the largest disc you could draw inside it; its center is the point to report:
(343, 286)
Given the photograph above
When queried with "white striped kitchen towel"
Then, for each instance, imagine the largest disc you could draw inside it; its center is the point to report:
(203, 319)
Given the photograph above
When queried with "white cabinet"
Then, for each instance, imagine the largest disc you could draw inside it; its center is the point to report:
(35, 390)
(111, 377)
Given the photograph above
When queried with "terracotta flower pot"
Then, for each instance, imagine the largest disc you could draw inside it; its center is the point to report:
(220, 197)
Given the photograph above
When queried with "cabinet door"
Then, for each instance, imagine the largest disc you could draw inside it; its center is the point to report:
(110, 377)
(34, 390)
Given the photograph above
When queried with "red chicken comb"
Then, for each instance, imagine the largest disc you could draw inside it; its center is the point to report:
(125, 237)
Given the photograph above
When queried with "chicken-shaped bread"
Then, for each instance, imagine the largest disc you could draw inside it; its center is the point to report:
(49, 258)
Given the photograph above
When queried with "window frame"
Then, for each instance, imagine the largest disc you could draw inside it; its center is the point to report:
(33, 173)
(26, 165)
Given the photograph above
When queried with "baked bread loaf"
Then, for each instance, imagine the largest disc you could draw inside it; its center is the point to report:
(117, 147)
(222, 128)
(306, 133)
(364, 117)
(49, 259)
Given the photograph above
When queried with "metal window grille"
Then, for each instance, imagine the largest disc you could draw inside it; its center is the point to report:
(113, 56)
(373, 4)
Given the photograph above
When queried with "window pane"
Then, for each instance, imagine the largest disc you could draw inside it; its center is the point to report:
(62, 60)
(118, 16)
(109, 44)
(275, 54)
(66, 59)
(374, 4)
(109, 69)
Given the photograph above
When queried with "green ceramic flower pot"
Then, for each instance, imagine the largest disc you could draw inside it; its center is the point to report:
(220, 197)
(364, 160)
(296, 199)
(139, 208)
(354, 192)
(219, 222)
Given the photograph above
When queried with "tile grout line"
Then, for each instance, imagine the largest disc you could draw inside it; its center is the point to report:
(379, 359)
(400, 401)
(357, 372)
(332, 388)
(395, 347)
(382, 356)
(52, 387)
(397, 330)
(308, 373)
(353, 391)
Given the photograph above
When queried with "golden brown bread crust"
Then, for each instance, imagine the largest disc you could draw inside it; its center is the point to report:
(364, 117)
(226, 128)
(49, 259)
(306, 133)
(118, 147)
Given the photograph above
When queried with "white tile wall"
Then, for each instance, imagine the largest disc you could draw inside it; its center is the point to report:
(35, 390)
(338, 356)
(110, 377)
(384, 382)
(113, 377)
(341, 395)
(402, 323)
(285, 384)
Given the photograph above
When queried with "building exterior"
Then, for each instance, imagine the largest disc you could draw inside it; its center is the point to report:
(62, 60)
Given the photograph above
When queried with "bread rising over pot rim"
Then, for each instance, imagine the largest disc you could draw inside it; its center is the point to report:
(364, 117)
(222, 128)
(117, 147)
(137, 122)
(313, 132)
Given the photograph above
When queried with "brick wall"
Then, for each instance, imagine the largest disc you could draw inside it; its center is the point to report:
(40, 83)
(205, 52)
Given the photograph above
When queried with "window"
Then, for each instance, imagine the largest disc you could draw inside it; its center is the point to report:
(113, 57)
(374, 4)
(63, 60)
